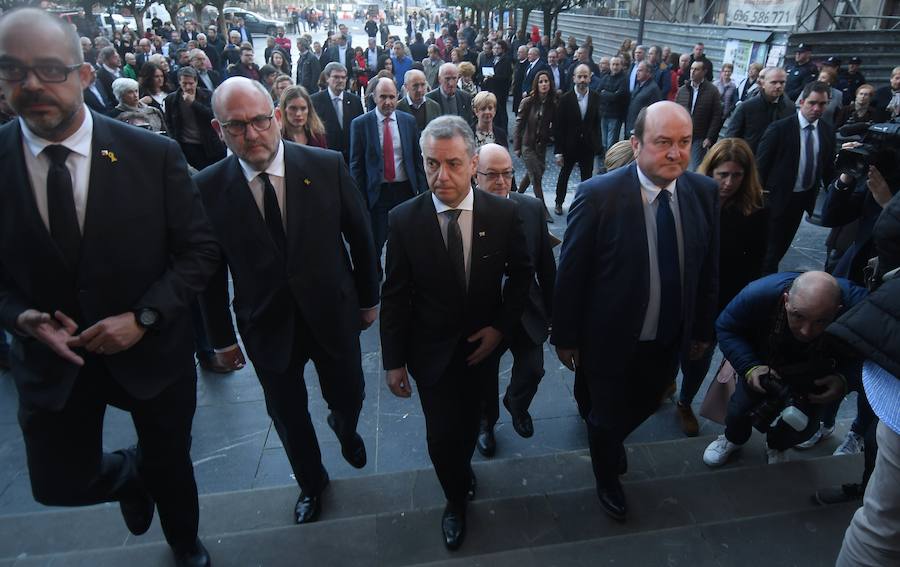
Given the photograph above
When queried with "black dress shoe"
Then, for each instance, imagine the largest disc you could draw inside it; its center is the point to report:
(196, 556)
(486, 444)
(137, 504)
(473, 485)
(453, 525)
(558, 210)
(308, 507)
(521, 421)
(613, 501)
(352, 447)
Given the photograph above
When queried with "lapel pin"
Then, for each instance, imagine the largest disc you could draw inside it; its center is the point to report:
(109, 155)
(306, 181)
(482, 233)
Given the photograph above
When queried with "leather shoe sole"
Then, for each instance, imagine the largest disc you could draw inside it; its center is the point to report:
(197, 556)
(521, 421)
(612, 500)
(453, 526)
(352, 447)
(308, 508)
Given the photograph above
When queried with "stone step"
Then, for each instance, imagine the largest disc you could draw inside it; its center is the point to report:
(62, 530)
(545, 515)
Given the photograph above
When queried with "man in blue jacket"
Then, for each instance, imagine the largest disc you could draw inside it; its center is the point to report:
(775, 324)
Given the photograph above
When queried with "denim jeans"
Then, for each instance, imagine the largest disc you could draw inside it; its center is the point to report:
(610, 130)
(739, 423)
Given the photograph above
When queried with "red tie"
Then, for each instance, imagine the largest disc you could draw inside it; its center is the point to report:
(388, 151)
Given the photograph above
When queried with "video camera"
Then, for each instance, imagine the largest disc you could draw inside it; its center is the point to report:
(879, 146)
(786, 394)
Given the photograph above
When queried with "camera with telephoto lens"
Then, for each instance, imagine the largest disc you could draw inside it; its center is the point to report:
(879, 146)
(780, 401)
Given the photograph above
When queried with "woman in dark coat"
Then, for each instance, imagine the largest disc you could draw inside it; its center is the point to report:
(742, 247)
(534, 126)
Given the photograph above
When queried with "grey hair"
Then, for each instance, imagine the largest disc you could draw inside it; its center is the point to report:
(201, 36)
(332, 67)
(765, 72)
(122, 86)
(447, 127)
(106, 53)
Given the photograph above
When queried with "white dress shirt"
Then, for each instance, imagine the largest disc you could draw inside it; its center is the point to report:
(465, 224)
(78, 163)
(276, 177)
(554, 70)
(649, 193)
(582, 101)
(399, 172)
(695, 92)
(801, 164)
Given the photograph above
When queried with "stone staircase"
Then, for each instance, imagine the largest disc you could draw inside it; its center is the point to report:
(534, 511)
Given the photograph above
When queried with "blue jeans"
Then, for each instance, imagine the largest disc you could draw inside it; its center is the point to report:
(739, 423)
(698, 152)
(610, 128)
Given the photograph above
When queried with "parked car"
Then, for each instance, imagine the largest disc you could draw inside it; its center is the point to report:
(255, 23)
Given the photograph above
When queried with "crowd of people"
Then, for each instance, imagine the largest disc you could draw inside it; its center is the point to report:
(294, 177)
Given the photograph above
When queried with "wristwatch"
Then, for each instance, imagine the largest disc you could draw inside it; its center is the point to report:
(146, 318)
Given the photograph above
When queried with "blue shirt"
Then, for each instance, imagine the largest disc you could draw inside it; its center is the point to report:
(401, 66)
(883, 391)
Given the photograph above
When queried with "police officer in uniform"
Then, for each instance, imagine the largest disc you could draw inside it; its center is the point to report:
(800, 72)
(850, 80)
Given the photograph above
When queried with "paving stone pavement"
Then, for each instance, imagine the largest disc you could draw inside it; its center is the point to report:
(235, 446)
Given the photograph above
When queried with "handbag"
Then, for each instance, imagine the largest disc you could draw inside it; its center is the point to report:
(715, 404)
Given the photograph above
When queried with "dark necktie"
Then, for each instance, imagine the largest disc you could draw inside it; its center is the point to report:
(809, 166)
(273, 213)
(455, 245)
(669, 271)
(61, 205)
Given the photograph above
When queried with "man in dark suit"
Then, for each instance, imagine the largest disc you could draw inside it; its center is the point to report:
(576, 131)
(499, 81)
(108, 70)
(98, 300)
(443, 313)
(795, 158)
(308, 67)
(188, 114)
(337, 108)
(282, 213)
(452, 100)
(95, 96)
(385, 159)
(637, 287)
(520, 66)
(560, 77)
(189, 33)
(339, 52)
(207, 79)
(494, 175)
(645, 93)
(535, 64)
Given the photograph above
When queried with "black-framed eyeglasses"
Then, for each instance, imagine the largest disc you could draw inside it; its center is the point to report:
(45, 72)
(239, 127)
(494, 175)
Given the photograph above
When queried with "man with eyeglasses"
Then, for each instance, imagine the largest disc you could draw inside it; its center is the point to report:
(282, 213)
(526, 341)
(444, 314)
(337, 108)
(98, 301)
(188, 115)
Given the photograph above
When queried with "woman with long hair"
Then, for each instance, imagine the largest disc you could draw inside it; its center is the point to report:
(534, 125)
(152, 82)
(727, 89)
(742, 248)
(299, 121)
(279, 61)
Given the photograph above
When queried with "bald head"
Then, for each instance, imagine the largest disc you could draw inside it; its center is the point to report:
(811, 304)
(239, 88)
(495, 169)
(32, 20)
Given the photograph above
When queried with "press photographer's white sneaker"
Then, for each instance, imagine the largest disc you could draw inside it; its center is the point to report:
(773, 456)
(852, 445)
(820, 435)
(717, 453)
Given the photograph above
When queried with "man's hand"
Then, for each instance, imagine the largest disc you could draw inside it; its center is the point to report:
(55, 332)
(707, 143)
(569, 357)
(398, 382)
(559, 159)
(368, 317)
(111, 335)
(698, 349)
(878, 187)
(834, 389)
(753, 379)
(188, 98)
(490, 338)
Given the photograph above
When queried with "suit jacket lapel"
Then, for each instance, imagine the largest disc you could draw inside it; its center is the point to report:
(482, 237)
(103, 180)
(296, 197)
(633, 205)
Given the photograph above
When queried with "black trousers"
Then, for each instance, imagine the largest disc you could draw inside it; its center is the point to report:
(614, 406)
(452, 408)
(585, 163)
(287, 401)
(527, 372)
(392, 194)
(196, 156)
(68, 466)
(782, 229)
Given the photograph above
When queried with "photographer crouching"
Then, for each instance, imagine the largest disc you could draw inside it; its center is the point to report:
(772, 333)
